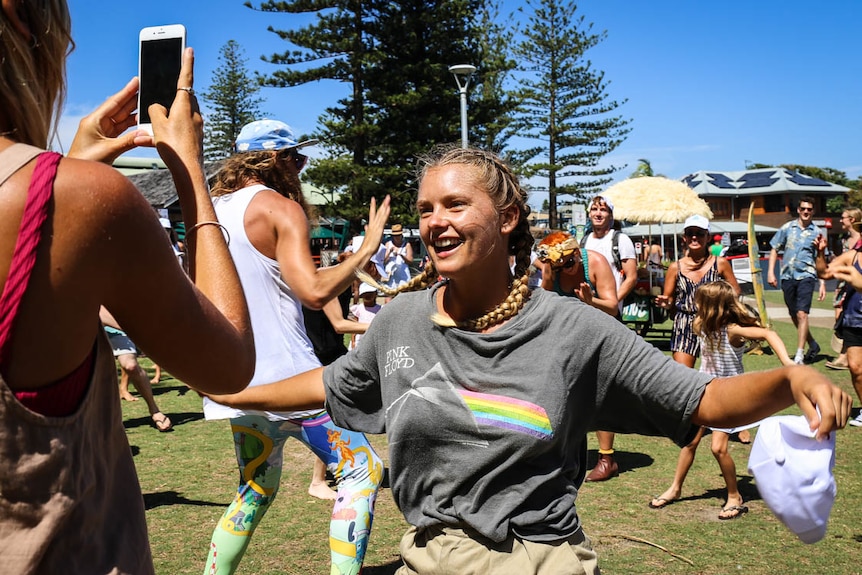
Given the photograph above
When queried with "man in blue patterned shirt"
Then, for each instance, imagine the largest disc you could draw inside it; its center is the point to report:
(798, 275)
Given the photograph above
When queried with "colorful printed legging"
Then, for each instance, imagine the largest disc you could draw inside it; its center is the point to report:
(259, 444)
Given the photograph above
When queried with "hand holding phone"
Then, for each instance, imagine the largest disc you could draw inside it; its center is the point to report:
(160, 60)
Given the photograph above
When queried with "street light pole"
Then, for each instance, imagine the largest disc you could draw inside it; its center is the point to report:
(462, 73)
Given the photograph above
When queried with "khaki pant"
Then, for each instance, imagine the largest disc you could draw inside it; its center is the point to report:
(454, 551)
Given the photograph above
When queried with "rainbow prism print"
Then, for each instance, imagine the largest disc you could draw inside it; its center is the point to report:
(508, 413)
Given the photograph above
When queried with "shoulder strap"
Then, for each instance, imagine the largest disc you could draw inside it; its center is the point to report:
(29, 233)
(583, 241)
(16, 157)
(615, 246)
(585, 257)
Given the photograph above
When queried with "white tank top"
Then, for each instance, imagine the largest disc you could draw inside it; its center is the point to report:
(282, 348)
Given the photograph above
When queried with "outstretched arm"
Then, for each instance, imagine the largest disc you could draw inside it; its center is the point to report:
(755, 333)
(340, 324)
(303, 391)
(742, 399)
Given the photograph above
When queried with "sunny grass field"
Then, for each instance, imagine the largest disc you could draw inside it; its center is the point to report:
(189, 475)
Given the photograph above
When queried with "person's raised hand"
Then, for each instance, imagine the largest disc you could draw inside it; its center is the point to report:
(101, 134)
(178, 133)
(377, 217)
(585, 293)
(820, 243)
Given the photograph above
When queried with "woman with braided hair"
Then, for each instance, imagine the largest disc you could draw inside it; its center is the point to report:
(486, 454)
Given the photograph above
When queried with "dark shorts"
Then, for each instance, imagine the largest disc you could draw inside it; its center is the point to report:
(797, 294)
(120, 342)
(852, 336)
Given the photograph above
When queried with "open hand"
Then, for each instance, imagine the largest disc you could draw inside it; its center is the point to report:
(100, 136)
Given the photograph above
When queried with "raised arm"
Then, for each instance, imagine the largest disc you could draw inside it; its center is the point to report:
(288, 225)
(201, 335)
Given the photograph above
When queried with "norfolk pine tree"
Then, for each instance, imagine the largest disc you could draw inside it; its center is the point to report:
(563, 103)
(403, 100)
(233, 100)
(335, 47)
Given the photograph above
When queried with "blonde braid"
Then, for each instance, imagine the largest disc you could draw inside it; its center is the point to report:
(427, 278)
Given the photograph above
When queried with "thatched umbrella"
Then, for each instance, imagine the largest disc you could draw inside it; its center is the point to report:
(654, 199)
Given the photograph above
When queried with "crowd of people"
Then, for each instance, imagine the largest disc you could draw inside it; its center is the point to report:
(442, 370)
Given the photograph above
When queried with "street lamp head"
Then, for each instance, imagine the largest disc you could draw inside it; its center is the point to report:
(462, 73)
(462, 69)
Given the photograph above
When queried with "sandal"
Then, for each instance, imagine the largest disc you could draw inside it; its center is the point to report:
(660, 502)
(737, 510)
(835, 365)
(162, 422)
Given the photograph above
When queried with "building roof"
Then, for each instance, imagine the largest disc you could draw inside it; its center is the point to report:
(158, 185)
(761, 181)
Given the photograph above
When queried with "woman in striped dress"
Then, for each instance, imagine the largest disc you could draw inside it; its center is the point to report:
(723, 327)
(683, 278)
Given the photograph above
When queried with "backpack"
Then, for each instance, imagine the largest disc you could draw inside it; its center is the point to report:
(615, 247)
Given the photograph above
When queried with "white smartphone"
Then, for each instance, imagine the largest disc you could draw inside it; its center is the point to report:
(160, 57)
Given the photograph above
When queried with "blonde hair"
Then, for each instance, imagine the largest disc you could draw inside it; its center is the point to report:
(33, 70)
(856, 215)
(502, 186)
(262, 166)
(717, 306)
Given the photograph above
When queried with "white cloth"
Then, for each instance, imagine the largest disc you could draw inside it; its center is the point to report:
(794, 474)
(282, 348)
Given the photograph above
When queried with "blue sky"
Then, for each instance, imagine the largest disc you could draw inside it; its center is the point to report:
(710, 85)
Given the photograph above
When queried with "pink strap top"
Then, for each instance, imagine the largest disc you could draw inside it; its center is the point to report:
(62, 397)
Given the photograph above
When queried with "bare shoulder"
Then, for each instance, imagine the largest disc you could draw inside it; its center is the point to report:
(99, 186)
(272, 205)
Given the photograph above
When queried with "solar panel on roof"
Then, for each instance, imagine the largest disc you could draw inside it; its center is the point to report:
(798, 178)
(721, 181)
(757, 180)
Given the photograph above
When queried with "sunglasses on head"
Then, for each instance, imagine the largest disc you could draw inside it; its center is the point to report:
(299, 160)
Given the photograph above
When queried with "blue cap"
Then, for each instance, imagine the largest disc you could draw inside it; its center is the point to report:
(268, 135)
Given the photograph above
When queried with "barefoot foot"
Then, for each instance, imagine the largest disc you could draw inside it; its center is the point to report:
(322, 491)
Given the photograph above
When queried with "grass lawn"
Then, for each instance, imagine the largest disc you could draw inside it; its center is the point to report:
(188, 477)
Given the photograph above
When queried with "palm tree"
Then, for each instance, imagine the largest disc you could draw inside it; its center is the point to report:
(644, 169)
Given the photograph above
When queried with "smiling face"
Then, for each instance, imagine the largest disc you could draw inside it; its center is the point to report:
(806, 212)
(600, 216)
(695, 239)
(460, 224)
